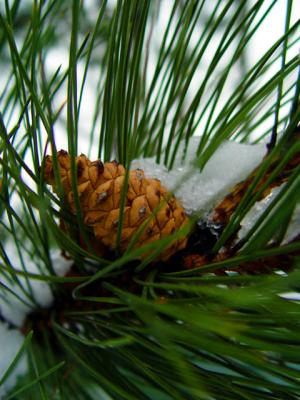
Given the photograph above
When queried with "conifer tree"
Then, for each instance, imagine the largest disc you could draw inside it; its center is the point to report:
(111, 287)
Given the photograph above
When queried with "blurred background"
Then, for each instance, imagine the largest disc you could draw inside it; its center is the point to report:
(55, 58)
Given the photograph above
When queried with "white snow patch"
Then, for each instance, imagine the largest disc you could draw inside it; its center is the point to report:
(294, 226)
(260, 207)
(12, 308)
(60, 263)
(199, 192)
(11, 341)
(291, 296)
(256, 211)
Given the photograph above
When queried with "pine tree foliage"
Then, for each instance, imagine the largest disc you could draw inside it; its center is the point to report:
(121, 328)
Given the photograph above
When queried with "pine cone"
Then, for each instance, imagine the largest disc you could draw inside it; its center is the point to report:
(99, 189)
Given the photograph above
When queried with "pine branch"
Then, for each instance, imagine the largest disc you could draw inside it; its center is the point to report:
(127, 326)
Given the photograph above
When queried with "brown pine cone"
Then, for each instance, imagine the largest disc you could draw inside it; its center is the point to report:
(99, 189)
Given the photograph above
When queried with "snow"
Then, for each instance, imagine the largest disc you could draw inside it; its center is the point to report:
(11, 341)
(15, 305)
(199, 192)
(294, 226)
(60, 264)
(295, 296)
(259, 208)
(12, 308)
(256, 211)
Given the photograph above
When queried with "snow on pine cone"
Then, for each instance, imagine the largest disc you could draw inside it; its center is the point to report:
(99, 189)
